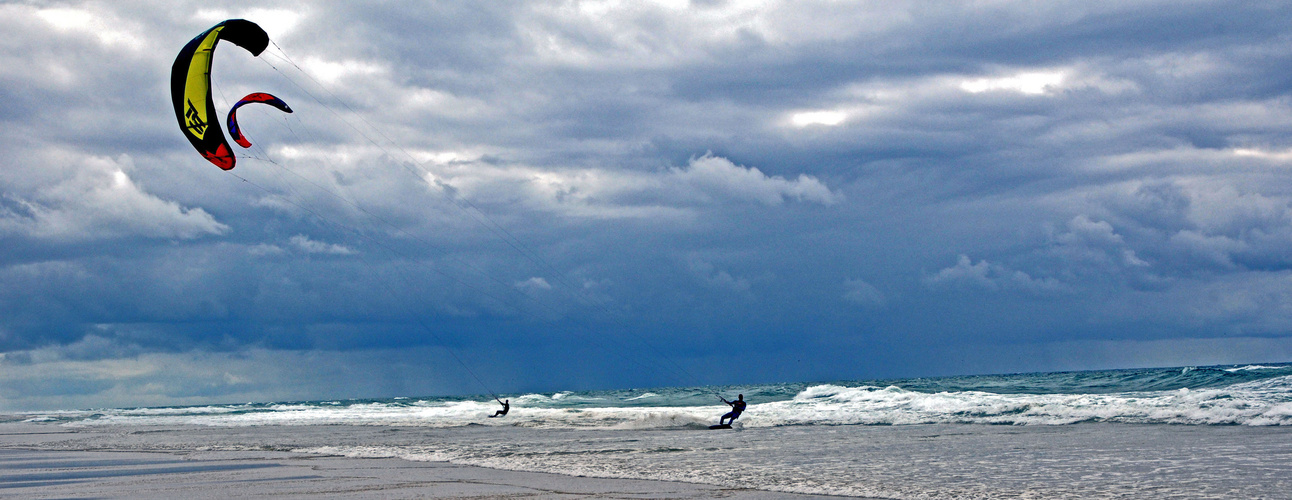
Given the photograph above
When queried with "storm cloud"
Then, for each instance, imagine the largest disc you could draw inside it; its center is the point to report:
(547, 193)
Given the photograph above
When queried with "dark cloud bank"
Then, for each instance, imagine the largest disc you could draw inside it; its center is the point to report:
(576, 195)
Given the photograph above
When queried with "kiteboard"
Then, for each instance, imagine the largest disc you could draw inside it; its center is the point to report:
(720, 426)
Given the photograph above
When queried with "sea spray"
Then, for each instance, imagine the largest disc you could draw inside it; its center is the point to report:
(1257, 395)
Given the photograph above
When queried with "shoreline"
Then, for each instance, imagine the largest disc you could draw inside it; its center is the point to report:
(966, 461)
(39, 461)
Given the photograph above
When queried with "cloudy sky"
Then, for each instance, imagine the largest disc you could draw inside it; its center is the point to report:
(543, 196)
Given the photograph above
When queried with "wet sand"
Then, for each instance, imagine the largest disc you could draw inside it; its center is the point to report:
(961, 461)
(32, 466)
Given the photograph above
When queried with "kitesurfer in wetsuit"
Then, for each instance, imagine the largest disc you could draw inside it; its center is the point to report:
(506, 407)
(737, 407)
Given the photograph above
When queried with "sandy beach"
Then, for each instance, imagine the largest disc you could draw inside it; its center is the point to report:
(32, 466)
(141, 475)
(77, 460)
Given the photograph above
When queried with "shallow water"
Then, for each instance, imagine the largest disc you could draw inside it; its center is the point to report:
(1257, 395)
(1209, 432)
(925, 461)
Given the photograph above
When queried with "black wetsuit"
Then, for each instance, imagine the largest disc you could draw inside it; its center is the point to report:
(506, 407)
(737, 407)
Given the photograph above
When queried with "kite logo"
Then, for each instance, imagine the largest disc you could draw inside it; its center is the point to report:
(193, 120)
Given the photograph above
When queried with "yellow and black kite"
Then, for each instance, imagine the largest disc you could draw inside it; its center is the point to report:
(190, 86)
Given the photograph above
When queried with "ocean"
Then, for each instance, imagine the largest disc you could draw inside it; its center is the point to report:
(1184, 432)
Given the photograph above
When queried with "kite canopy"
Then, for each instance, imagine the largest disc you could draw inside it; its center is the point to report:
(260, 97)
(190, 86)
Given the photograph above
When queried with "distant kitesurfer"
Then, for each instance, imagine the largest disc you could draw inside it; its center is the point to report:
(506, 407)
(737, 407)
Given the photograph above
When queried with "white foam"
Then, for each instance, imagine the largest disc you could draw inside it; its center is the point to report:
(1255, 367)
(1255, 403)
(1262, 402)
